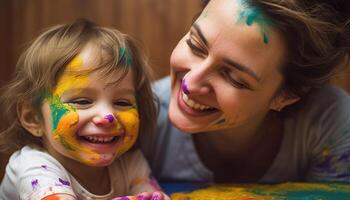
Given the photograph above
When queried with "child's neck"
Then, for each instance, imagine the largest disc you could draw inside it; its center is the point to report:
(95, 179)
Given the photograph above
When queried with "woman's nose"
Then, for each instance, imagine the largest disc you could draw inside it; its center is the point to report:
(197, 81)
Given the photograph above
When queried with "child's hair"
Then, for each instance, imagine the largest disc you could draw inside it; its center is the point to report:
(40, 66)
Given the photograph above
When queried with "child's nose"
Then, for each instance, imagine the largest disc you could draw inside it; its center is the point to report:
(103, 120)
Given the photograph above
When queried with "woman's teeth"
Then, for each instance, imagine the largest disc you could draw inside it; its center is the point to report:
(194, 105)
(96, 139)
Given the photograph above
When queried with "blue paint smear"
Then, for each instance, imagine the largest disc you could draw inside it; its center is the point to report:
(251, 15)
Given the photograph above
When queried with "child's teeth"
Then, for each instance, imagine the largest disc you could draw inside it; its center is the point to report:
(99, 139)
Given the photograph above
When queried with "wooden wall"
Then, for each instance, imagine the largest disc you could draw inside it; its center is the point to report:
(156, 24)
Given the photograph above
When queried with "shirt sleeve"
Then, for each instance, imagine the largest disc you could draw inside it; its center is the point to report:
(139, 173)
(330, 155)
(36, 174)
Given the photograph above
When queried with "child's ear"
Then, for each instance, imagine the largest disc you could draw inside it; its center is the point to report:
(282, 100)
(29, 118)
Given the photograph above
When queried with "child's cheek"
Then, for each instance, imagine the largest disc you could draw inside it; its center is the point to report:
(130, 121)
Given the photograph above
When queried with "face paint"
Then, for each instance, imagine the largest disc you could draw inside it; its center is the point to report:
(110, 118)
(72, 126)
(125, 56)
(250, 15)
(184, 86)
(130, 121)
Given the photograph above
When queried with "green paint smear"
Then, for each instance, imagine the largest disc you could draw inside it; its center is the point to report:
(65, 144)
(58, 110)
(250, 15)
(335, 192)
(221, 121)
(125, 56)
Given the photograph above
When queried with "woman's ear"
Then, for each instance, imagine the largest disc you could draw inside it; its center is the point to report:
(282, 100)
(29, 118)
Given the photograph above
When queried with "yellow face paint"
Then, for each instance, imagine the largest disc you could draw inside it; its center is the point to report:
(70, 77)
(130, 120)
(65, 120)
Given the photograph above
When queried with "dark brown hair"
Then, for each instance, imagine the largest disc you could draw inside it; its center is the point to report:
(317, 34)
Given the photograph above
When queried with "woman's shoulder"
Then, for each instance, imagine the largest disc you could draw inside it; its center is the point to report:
(327, 100)
(162, 88)
(323, 112)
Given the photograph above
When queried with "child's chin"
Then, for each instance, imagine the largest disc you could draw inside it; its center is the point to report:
(102, 162)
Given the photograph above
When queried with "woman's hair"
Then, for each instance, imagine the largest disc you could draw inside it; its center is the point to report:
(317, 34)
(39, 67)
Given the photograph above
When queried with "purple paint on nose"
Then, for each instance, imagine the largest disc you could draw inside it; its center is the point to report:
(184, 87)
(110, 118)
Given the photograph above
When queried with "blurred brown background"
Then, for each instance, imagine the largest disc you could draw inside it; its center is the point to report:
(156, 24)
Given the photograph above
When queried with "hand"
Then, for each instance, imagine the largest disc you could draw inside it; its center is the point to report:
(145, 196)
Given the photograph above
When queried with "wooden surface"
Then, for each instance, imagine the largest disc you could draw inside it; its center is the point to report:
(156, 24)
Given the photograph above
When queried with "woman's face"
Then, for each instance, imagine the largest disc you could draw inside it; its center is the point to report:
(230, 60)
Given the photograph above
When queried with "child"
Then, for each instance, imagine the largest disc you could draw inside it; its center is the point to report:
(81, 94)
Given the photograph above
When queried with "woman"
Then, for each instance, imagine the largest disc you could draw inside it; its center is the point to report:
(249, 98)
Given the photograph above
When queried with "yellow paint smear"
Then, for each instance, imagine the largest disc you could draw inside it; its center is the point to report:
(65, 130)
(70, 78)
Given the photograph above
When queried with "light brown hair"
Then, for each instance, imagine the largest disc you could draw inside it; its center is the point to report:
(39, 67)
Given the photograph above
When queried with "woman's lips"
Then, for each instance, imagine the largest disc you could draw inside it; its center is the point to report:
(190, 111)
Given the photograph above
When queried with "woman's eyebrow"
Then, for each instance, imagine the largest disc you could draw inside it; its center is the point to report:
(243, 68)
(200, 34)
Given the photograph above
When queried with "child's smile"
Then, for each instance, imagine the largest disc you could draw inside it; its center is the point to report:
(91, 120)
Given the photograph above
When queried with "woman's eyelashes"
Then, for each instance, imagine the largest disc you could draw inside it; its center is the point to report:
(236, 82)
(199, 50)
(195, 46)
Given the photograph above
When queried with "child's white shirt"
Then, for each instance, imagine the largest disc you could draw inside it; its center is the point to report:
(33, 174)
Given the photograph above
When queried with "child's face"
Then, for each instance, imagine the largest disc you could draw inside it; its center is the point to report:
(87, 118)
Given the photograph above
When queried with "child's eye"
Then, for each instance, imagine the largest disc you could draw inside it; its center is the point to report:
(123, 103)
(81, 102)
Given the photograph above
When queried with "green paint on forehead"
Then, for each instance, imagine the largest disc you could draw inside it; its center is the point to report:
(125, 56)
(249, 15)
(58, 110)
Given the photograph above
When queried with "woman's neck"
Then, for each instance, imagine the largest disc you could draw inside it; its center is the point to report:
(241, 154)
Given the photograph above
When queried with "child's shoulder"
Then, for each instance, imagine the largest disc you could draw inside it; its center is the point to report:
(29, 156)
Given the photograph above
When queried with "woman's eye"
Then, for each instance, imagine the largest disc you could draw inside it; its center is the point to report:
(123, 103)
(194, 48)
(234, 81)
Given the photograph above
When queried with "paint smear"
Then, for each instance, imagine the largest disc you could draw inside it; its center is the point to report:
(34, 183)
(252, 15)
(70, 77)
(290, 191)
(125, 56)
(52, 197)
(130, 121)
